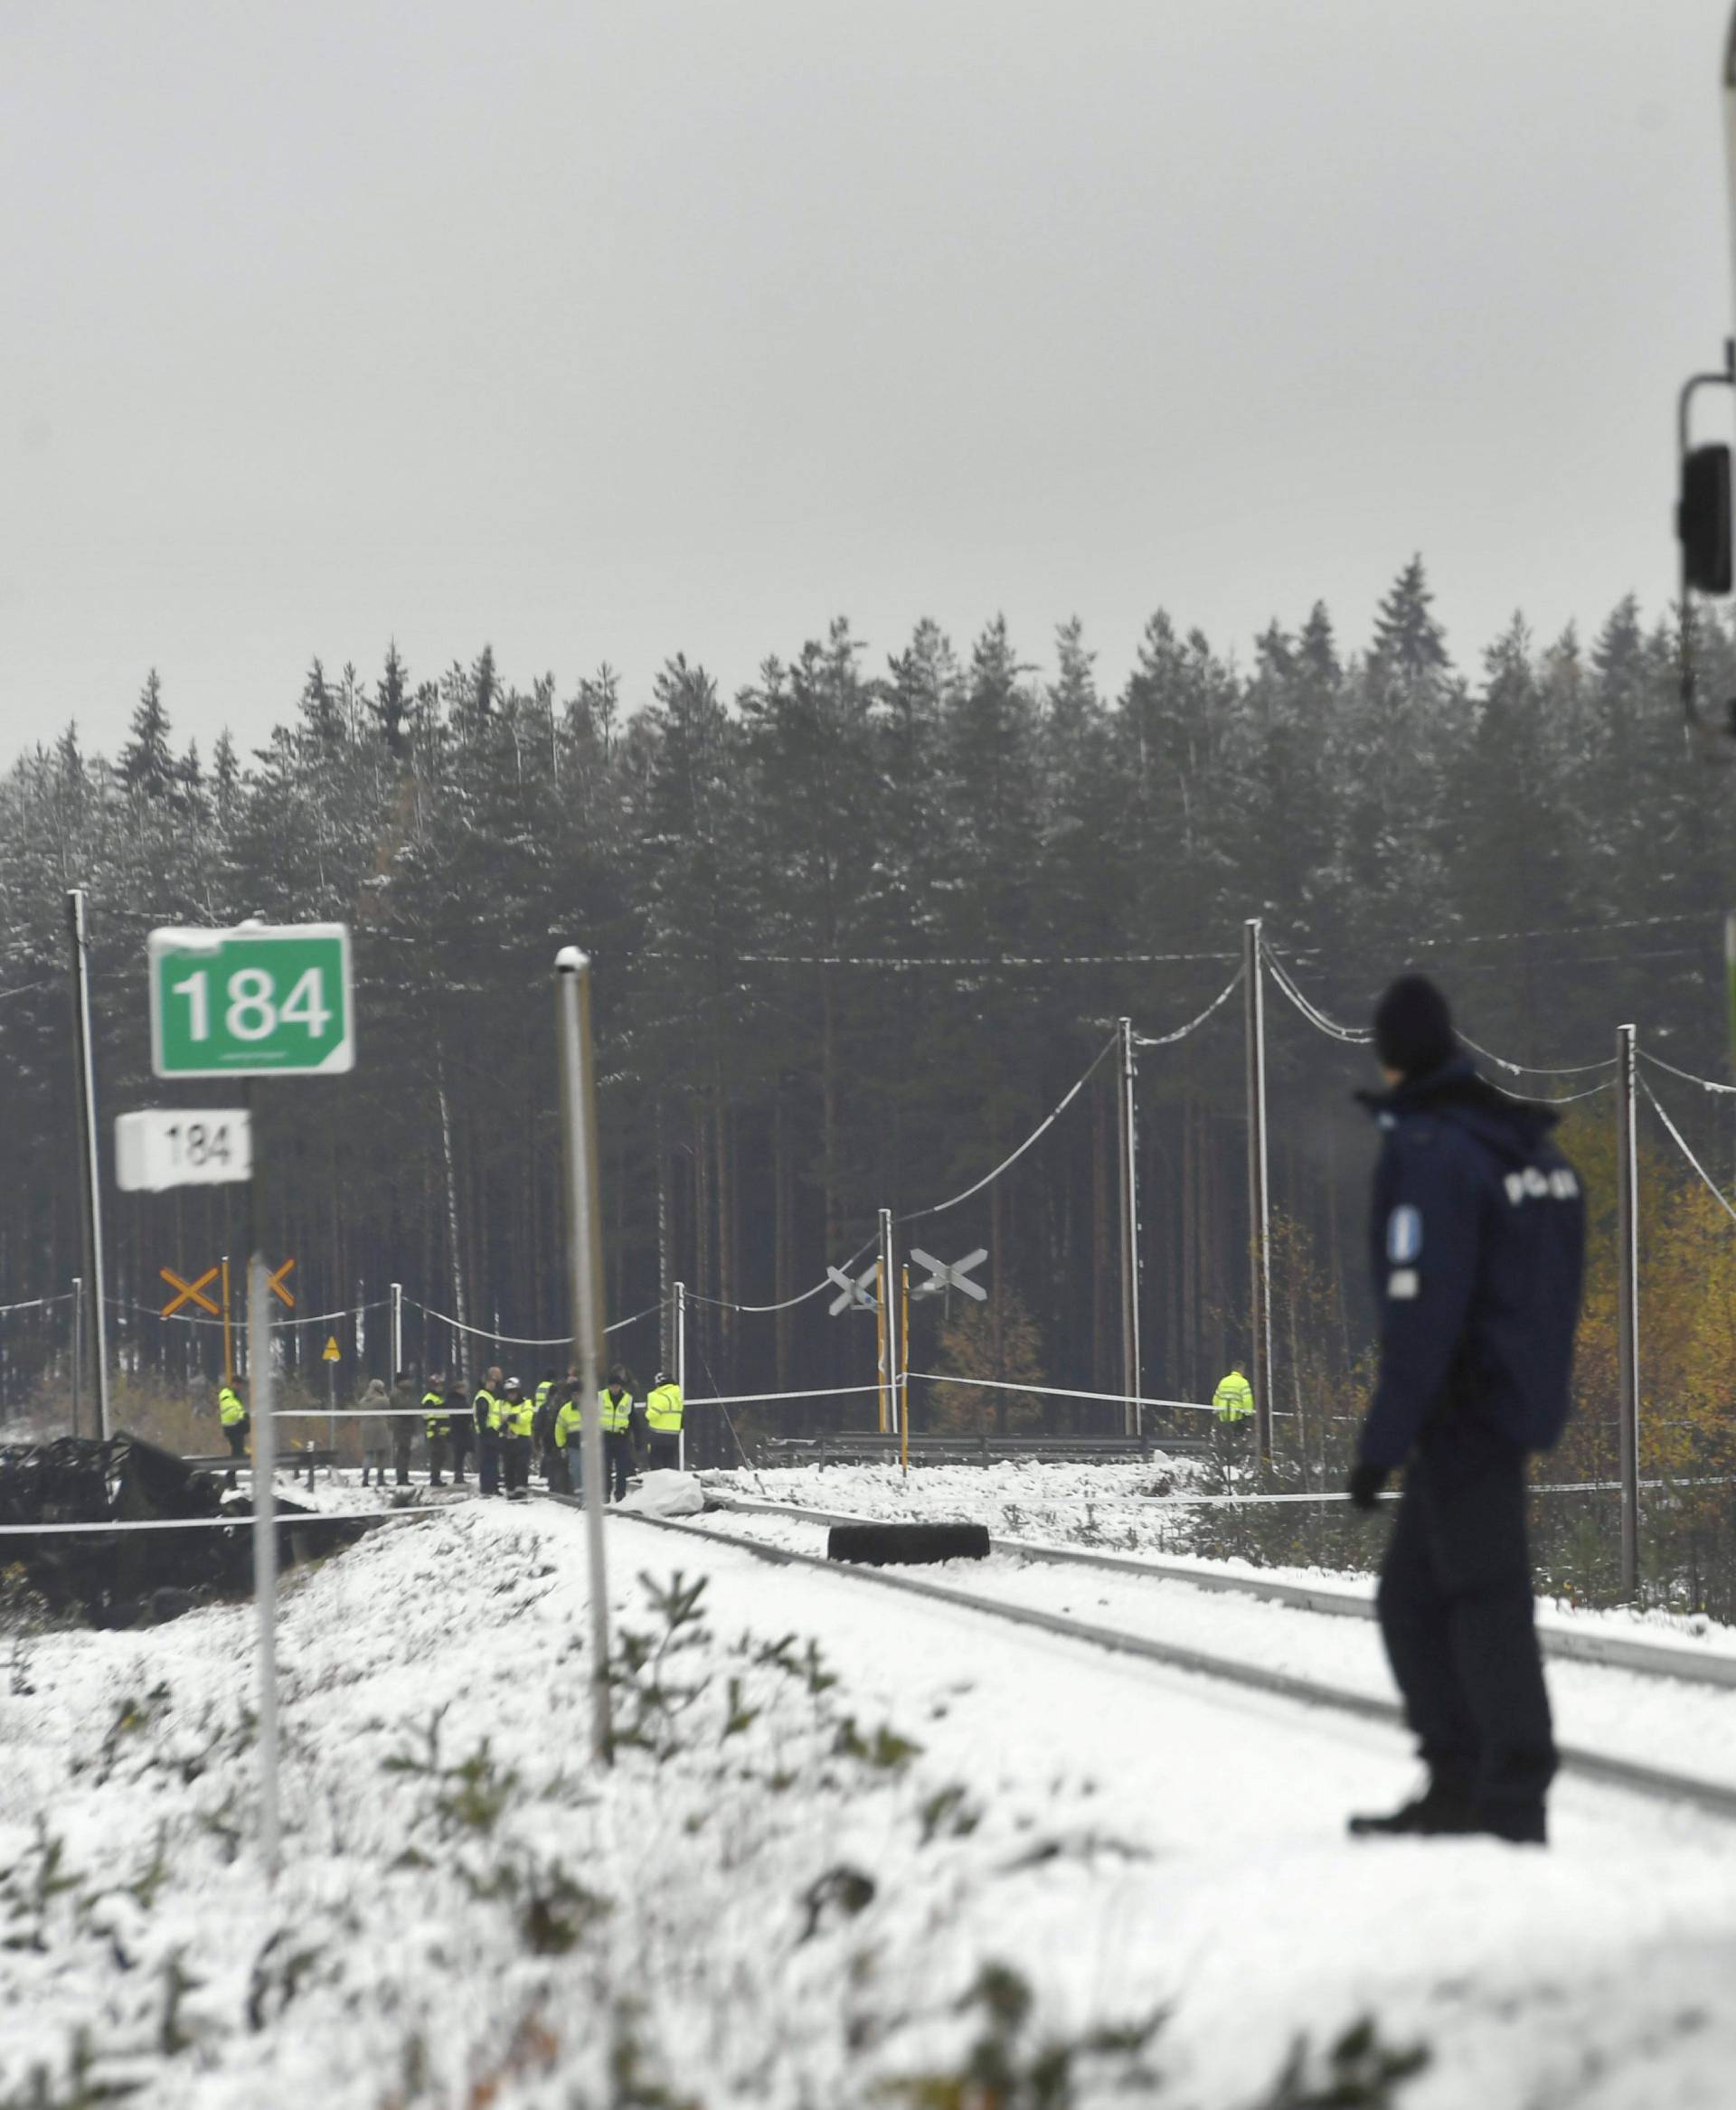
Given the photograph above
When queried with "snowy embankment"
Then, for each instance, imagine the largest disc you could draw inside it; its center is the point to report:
(803, 1862)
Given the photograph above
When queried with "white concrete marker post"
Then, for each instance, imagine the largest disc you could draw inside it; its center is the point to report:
(585, 1258)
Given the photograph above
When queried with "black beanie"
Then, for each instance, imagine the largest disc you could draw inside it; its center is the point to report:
(1413, 1029)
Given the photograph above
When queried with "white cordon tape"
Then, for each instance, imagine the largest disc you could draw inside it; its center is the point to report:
(1057, 1391)
(291, 1520)
(36, 1304)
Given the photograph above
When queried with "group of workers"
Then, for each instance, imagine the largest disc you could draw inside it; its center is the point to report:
(514, 1431)
(511, 1431)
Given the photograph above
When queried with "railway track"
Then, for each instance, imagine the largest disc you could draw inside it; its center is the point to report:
(1650, 1659)
(1656, 1784)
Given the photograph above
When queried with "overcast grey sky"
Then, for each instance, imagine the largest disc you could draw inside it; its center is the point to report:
(606, 331)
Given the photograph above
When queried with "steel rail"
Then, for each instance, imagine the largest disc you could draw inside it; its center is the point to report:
(1717, 1798)
(1650, 1659)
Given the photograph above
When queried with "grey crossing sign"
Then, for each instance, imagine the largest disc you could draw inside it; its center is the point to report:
(853, 1295)
(942, 1277)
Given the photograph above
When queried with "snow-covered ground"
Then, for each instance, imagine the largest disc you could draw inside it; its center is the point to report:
(786, 1886)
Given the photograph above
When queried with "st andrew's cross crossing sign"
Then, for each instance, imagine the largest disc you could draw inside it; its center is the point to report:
(263, 999)
(943, 1276)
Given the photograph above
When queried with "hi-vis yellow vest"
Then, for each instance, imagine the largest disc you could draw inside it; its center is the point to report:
(1234, 1398)
(662, 1410)
(617, 1413)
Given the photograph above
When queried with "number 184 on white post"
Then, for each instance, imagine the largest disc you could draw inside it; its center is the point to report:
(182, 1147)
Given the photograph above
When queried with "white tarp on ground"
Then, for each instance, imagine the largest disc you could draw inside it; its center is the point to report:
(667, 1493)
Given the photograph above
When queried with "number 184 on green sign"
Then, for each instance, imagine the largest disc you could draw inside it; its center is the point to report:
(263, 999)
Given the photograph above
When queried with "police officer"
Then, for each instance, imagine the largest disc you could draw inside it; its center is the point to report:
(517, 1418)
(437, 1426)
(615, 1407)
(1477, 1245)
(1234, 1403)
(663, 1411)
(485, 1414)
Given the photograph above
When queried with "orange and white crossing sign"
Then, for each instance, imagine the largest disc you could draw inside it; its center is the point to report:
(274, 1283)
(190, 1292)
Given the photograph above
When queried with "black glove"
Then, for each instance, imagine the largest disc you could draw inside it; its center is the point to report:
(1365, 1485)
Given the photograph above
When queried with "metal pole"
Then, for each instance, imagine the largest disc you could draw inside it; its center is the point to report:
(889, 1300)
(585, 1257)
(397, 1329)
(265, 1498)
(880, 1345)
(904, 1370)
(77, 1346)
(265, 1553)
(1260, 1225)
(681, 1369)
(1132, 1423)
(229, 1344)
(1627, 1307)
(92, 1192)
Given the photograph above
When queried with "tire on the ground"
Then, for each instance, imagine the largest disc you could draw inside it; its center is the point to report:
(906, 1545)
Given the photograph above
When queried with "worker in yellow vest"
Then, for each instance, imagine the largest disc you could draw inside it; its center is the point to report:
(615, 1408)
(517, 1416)
(568, 1439)
(231, 1411)
(663, 1410)
(485, 1412)
(542, 1426)
(437, 1426)
(1234, 1404)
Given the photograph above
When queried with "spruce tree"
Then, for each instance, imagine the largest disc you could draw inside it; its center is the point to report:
(147, 763)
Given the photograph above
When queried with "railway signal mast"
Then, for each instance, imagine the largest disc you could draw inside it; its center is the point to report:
(1703, 505)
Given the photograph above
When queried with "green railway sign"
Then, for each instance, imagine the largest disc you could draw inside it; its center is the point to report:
(263, 999)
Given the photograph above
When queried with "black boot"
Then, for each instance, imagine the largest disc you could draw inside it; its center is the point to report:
(1443, 1810)
(1520, 1824)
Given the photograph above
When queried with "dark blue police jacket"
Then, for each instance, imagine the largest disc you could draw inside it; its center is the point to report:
(1478, 1243)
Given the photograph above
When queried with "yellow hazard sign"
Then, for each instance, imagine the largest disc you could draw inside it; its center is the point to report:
(332, 1353)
